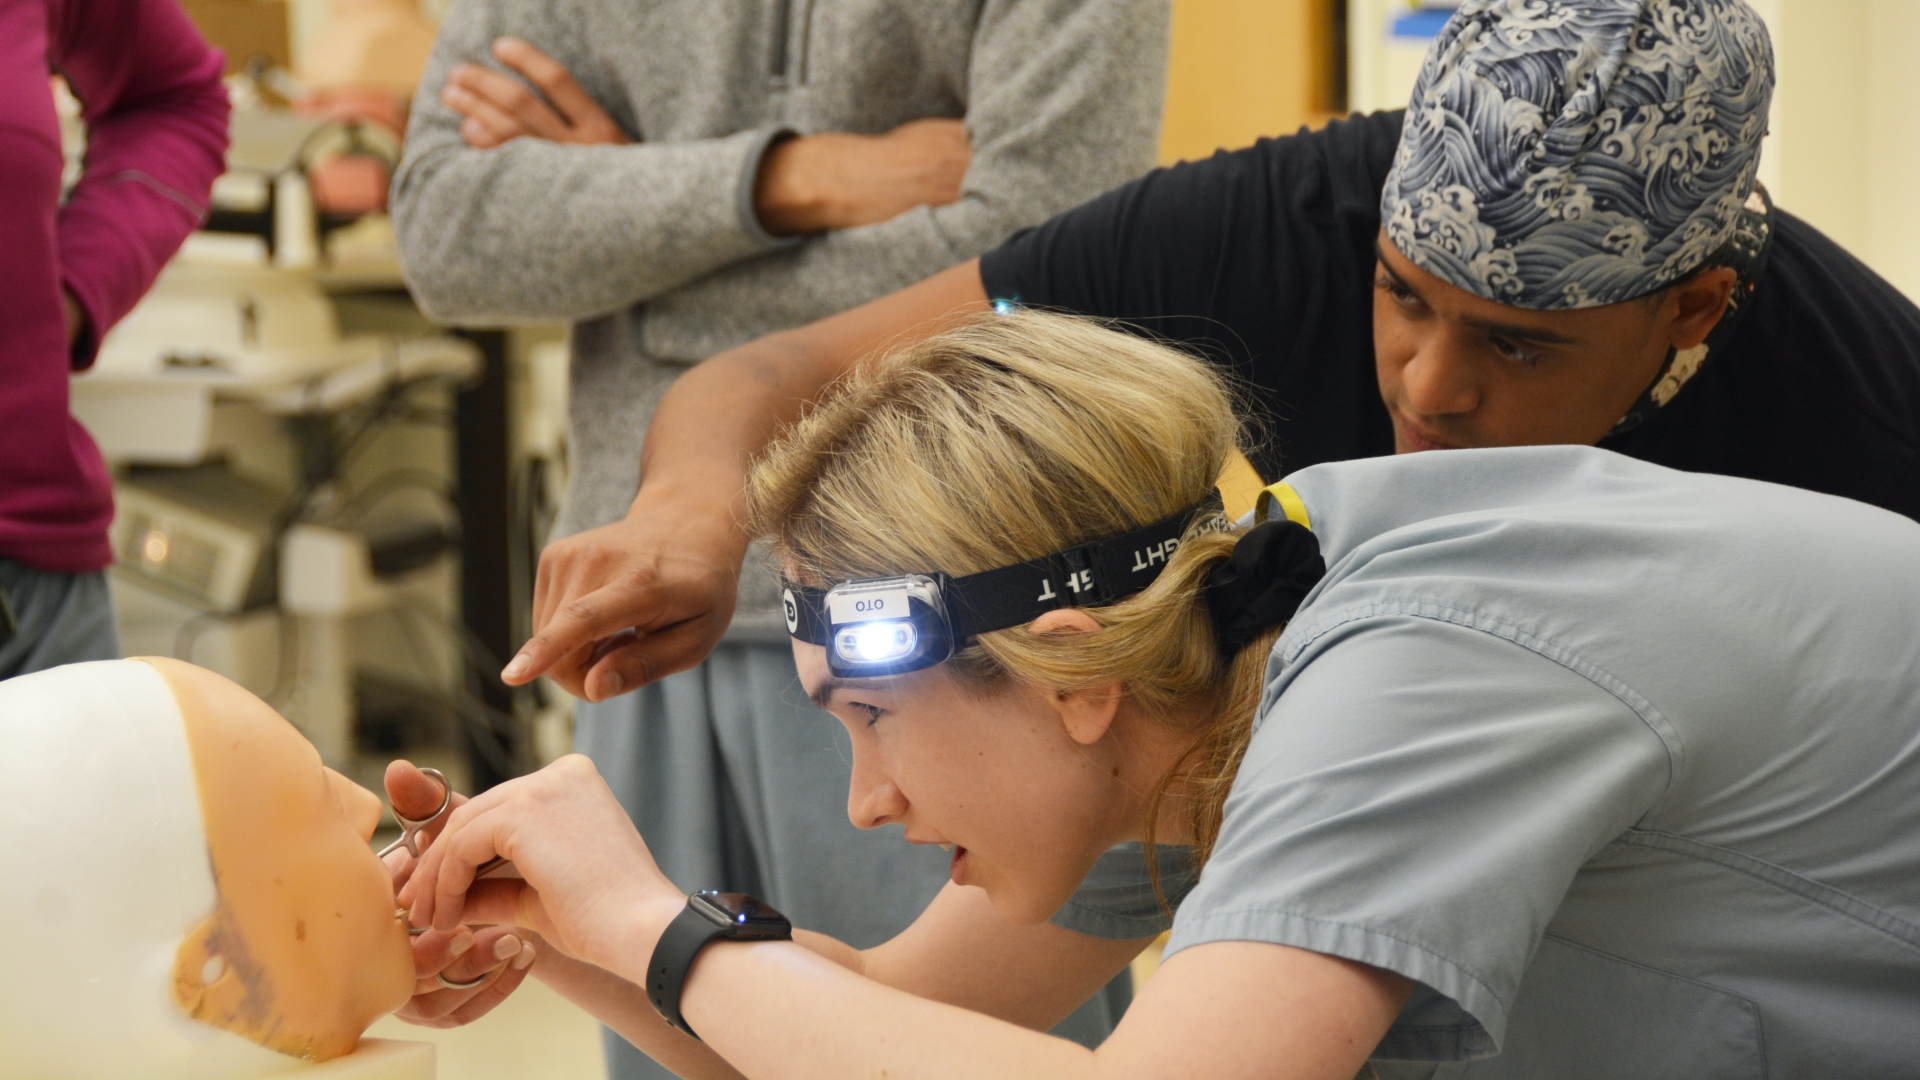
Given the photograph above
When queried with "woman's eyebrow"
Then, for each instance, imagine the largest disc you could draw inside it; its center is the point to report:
(823, 693)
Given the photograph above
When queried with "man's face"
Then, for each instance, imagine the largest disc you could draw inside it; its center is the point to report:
(1459, 371)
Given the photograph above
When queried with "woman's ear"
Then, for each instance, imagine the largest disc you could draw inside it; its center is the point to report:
(1086, 714)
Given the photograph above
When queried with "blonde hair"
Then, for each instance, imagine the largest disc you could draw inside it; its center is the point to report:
(1005, 439)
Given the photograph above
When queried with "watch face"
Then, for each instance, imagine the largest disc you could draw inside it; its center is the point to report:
(748, 915)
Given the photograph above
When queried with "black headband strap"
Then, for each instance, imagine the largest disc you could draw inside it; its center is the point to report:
(1090, 575)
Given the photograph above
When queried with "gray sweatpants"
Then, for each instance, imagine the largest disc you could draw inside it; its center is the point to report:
(48, 619)
(738, 783)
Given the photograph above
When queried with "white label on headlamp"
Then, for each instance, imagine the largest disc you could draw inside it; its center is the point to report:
(853, 607)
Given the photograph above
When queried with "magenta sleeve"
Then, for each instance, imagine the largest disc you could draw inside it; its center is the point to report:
(156, 116)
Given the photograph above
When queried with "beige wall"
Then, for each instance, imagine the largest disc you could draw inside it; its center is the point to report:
(1844, 152)
(1242, 69)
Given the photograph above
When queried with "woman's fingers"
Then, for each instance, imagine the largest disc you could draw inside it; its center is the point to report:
(435, 952)
(495, 958)
(414, 794)
(435, 894)
(483, 951)
(577, 851)
(444, 1008)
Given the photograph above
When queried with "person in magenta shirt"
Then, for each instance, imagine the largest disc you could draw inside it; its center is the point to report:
(156, 118)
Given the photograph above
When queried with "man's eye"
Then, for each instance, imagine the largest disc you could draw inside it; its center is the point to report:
(1400, 293)
(1514, 352)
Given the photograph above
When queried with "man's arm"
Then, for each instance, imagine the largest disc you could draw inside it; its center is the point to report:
(669, 569)
(536, 229)
(805, 184)
(1064, 101)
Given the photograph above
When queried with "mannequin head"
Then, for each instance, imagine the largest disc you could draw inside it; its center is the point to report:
(190, 888)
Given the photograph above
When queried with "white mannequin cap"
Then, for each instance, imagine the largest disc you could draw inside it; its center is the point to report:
(106, 871)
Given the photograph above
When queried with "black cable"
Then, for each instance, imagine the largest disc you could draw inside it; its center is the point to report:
(483, 721)
(361, 502)
(286, 669)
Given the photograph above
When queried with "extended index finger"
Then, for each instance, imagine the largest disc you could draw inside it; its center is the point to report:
(575, 625)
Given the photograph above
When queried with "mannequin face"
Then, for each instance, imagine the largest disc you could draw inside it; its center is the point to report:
(304, 949)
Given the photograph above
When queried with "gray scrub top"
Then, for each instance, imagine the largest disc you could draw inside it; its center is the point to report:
(1621, 765)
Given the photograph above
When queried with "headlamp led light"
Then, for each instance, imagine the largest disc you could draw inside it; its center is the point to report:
(889, 626)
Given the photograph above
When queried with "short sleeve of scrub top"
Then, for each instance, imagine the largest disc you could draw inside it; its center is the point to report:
(1419, 793)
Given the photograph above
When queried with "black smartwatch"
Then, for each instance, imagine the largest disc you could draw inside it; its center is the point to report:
(709, 916)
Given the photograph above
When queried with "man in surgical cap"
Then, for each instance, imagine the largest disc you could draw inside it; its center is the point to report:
(1560, 240)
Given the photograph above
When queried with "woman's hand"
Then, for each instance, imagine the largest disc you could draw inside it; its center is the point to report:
(503, 955)
(590, 887)
(500, 957)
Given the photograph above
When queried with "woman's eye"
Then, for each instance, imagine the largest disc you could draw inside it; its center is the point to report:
(873, 711)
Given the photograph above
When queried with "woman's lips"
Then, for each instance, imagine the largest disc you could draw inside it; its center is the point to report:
(957, 867)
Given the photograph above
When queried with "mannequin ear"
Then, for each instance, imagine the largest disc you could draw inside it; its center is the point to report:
(1086, 714)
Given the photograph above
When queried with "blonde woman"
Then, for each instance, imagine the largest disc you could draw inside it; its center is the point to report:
(1541, 761)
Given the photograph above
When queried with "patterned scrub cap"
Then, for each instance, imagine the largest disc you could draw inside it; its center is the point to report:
(1571, 153)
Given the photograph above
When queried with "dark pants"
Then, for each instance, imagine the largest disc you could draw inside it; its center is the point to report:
(49, 619)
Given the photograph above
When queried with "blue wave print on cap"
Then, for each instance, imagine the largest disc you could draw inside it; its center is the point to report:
(1570, 153)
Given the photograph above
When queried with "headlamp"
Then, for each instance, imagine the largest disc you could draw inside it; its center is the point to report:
(889, 626)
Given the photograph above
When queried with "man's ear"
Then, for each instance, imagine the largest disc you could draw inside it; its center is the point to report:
(1697, 304)
(1086, 714)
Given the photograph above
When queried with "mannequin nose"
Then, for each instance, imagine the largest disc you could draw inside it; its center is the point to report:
(1439, 382)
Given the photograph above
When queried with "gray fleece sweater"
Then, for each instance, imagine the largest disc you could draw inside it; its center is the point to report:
(652, 250)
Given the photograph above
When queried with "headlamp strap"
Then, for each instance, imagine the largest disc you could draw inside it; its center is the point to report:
(805, 608)
(1090, 575)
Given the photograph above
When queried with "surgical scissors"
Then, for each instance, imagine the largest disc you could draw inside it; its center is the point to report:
(412, 828)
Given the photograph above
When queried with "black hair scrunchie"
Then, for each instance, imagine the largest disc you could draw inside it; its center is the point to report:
(1273, 567)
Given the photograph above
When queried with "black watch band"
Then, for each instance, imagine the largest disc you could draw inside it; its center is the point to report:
(708, 917)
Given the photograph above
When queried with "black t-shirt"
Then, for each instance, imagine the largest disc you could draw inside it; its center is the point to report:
(1262, 260)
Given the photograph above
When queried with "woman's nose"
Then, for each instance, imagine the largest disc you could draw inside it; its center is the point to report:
(874, 801)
